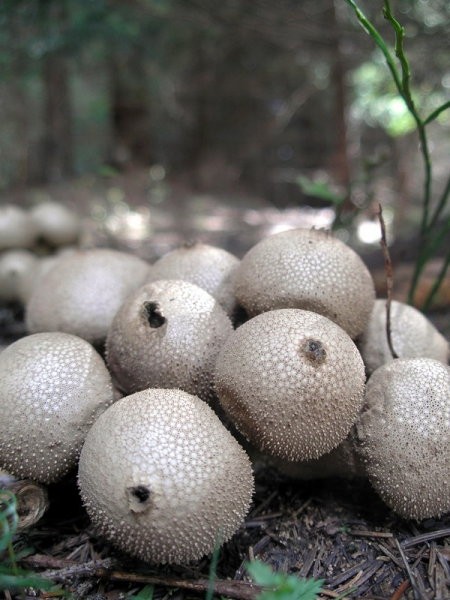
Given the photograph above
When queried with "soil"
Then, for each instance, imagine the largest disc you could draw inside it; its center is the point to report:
(335, 529)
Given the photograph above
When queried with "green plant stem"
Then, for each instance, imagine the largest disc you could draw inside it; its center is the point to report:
(437, 284)
(440, 205)
(405, 92)
(402, 83)
(434, 115)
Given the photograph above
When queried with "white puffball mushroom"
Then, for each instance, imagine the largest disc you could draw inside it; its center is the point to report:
(162, 478)
(209, 267)
(54, 386)
(310, 270)
(167, 334)
(292, 382)
(404, 436)
(55, 223)
(17, 229)
(17, 268)
(412, 334)
(83, 291)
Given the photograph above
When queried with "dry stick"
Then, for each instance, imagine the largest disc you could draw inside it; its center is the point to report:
(400, 590)
(412, 578)
(389, 280)
(240, 590)
(426, 537)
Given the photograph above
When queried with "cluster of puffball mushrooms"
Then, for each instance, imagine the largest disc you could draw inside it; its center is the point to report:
(151, 380)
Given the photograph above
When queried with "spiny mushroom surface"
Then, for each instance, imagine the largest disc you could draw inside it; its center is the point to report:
(292, 382)
(162, 478)
(17, 230)
(167, 334)
(209, 267)
(307, 269)
(53, 387)
(412, 334)
(404, 432)
(83, 291)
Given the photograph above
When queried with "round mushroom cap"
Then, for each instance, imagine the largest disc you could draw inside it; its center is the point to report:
(83, 291)
(54, 386)
(404, 435)
(209, 267)
(16, 275)
(413, 336)
(292, 382)
(55, 223)
(17, 229)
(162, 478)
(167, 334)
(307, 269)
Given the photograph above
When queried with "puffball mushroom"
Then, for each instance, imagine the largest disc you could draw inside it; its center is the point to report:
(55, 223)
(16, 275)
(17, 230)
(404, 435)
(413, 336)
(162, 478)
(54, 386)
(292, 382)
(307, 269)
(167, 334)
(209, 267)
(82, 292)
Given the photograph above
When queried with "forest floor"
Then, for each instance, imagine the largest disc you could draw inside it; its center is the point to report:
(336, 530)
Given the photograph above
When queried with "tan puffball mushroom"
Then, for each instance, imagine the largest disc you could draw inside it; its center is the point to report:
(16, 275)
(404, 432)
(17, 229)
(167, 334)
(162, 478)
(307, 269)
(413, 336)
(53, 387)
(209, 267)
(83, 291)
(55, 223)
(292, 382)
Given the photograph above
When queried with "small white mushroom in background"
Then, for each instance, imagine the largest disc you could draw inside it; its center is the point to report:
(83, 291)
(162, 478)
(17, 229)
(31, 499)
(412, 334)
(292, 382)
(55, 223)
(167, 334)
(53, 387)
(307, 269)
(17, 269)
(404, 436)
(209, 267)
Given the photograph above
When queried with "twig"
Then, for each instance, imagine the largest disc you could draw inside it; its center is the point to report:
(400, 590)
(408, 570)
(426, 537)
(389, 280)
(240, 590)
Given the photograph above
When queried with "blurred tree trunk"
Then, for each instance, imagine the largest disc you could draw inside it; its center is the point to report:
(130, 109)
(57, 159)
(340, 161)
